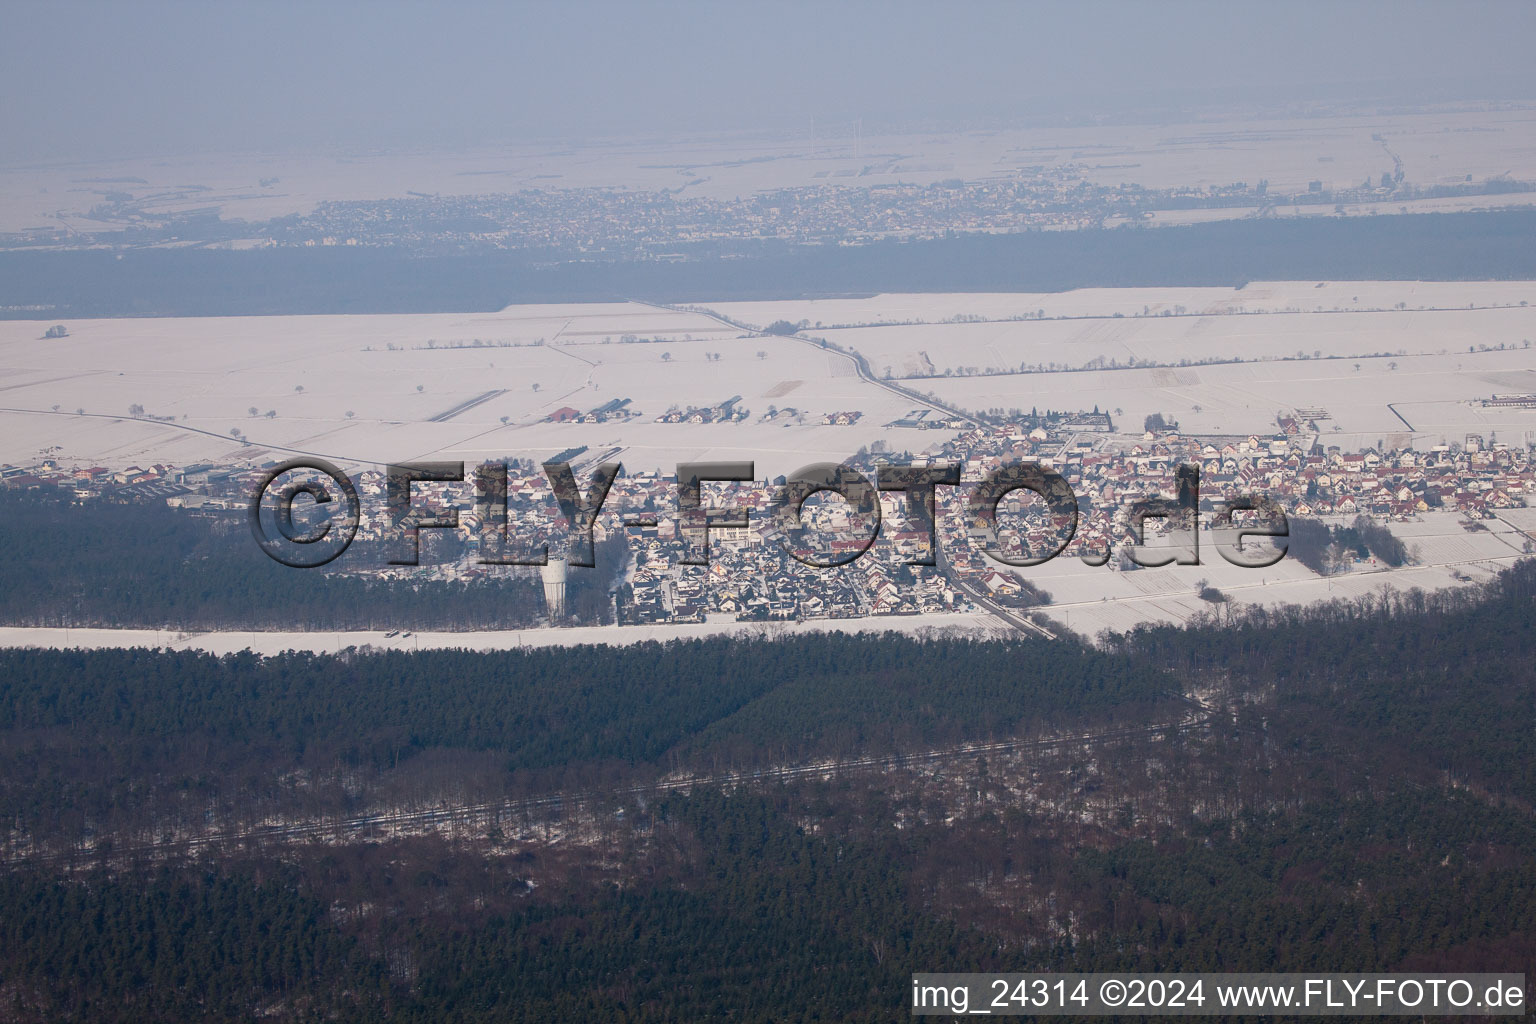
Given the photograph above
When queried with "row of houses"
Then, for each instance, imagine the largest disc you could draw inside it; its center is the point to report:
(757, 574)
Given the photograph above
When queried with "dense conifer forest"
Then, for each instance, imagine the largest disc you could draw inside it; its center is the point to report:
(138, 564)
(1349, 787)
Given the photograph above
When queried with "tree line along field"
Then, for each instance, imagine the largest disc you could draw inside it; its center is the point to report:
(1257, 296)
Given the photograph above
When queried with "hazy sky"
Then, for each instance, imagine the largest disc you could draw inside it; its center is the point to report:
(130, 79)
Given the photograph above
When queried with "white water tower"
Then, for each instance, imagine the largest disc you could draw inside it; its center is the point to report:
(553, 574)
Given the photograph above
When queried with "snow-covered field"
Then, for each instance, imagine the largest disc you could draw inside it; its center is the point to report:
(1090, 599)
(1414, 345)
(376, 389)
(379, 389)
(1358, 350)
(1435, 397)
(1255, 297)
(493, 640)
(936, 349)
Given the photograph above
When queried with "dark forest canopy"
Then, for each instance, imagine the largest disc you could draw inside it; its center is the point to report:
(1497, 245)
(1408, 680)
(1359, 800)
(762, 920)
(1326, 548)
(547, 707)
(135, 564)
